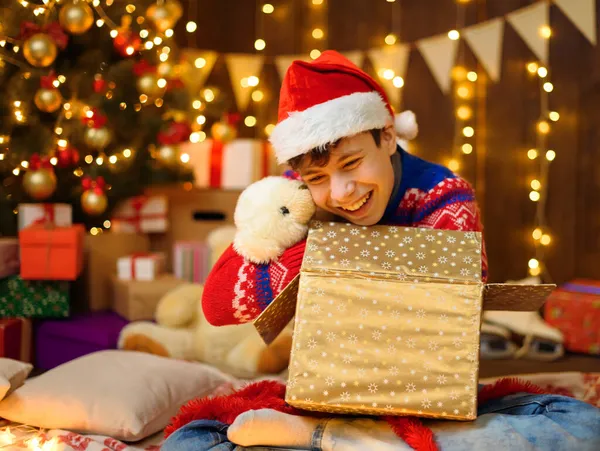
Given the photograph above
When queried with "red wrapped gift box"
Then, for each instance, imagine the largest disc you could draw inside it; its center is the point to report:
(574, 309)
(51, 253)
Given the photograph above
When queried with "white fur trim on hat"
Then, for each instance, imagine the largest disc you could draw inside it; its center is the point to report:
(327, 122)
(406, 125)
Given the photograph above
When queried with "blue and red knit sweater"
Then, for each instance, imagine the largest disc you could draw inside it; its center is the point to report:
(425, 195)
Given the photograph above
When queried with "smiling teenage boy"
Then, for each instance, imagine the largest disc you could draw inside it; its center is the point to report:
(338, 132)
(336, 129)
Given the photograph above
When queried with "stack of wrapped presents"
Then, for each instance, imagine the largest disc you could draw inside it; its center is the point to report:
(66, 292)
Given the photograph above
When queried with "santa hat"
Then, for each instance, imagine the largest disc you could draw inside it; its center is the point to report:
(327, 99)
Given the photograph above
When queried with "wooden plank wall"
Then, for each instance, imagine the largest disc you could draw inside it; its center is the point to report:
(507, 111)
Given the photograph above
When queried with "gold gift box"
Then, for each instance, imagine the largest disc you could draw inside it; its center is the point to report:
(387, 320)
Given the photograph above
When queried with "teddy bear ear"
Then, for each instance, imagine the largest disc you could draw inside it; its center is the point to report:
(255, 249)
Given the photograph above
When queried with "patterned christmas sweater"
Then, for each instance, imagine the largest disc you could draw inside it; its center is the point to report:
(424, 195)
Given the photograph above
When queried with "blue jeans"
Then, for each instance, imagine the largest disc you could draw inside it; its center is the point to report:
(516, 422)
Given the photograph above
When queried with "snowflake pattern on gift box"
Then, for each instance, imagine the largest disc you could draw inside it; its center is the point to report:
(376, 349)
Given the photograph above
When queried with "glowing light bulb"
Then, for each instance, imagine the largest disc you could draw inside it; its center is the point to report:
(454, 35)
(535, 185)
(112, 159)
(260, 44)
(533, 263)
(127, 153)
(543, 127)
(468, 132)
(554, 116)
(542, 72)
(200, 63)
(453, 165)
(268, 8)
(545, 240)
(388, 74)
(398, 81)
(550, 155)
(258, 95)
(472, 76)
(535, 271)
(209, 95)
(250, 121)
(269, 129)
(317, 33)
(315, 53)
(107, 224)
(390, 39)
(532, 67)
(185, 158)
(532, 154)
(201, 120)
(467, 148)
(534, 196)
(545, 32)
(464, 112)
(253, 81)
(537, 234)
(548, 87)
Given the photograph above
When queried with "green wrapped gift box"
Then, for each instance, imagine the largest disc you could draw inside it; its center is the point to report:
(33, 299)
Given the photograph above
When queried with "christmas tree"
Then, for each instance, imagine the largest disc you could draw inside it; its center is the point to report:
(92, 104)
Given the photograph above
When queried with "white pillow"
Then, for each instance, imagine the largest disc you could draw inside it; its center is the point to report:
(12, 375)
(122, 394)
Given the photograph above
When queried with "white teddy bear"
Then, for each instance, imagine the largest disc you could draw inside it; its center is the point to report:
(262, 234)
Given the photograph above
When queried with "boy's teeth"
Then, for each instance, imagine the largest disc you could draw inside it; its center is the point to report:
(358, 204)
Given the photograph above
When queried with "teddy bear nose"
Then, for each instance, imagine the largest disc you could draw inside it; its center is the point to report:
(303, 186)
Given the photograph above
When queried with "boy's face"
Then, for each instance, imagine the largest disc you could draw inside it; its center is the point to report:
(358, 179)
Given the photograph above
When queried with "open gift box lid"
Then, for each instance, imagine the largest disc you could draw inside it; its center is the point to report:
(402, 253)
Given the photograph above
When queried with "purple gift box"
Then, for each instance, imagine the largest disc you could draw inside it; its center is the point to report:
(59, 341)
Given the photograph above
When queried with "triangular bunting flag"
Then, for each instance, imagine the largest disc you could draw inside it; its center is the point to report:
(529, 22)
(243, 66)
(284, 61)
(583, 14)
(198, 65)
(357, 57)
(439, 53)
(394, 58)
(485, 40)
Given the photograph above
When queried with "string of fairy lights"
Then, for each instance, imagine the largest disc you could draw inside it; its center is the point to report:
(464, 80)
(541, 157)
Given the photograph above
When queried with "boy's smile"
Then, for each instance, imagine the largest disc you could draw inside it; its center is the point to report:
(357, 180)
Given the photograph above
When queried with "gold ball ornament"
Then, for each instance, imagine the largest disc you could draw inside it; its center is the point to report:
(148, 84)
(97, 138)
(48, 100)
(40, 50)
(223, 132)
(76, 17)
(93, 203)
(39, 183)
(168, 155)
(165, 15)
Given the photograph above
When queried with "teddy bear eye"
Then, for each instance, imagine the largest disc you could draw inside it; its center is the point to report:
(284, 210)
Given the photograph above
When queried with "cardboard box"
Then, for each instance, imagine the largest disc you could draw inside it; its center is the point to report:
(142, 266)
(93, 291)
(137, 299)
(51, 253)
(60, 215)
(388, 321)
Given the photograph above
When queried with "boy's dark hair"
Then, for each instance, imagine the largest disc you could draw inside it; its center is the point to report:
(320, 155)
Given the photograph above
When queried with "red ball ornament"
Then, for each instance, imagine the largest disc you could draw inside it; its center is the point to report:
(127, 43)
(67, 157)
